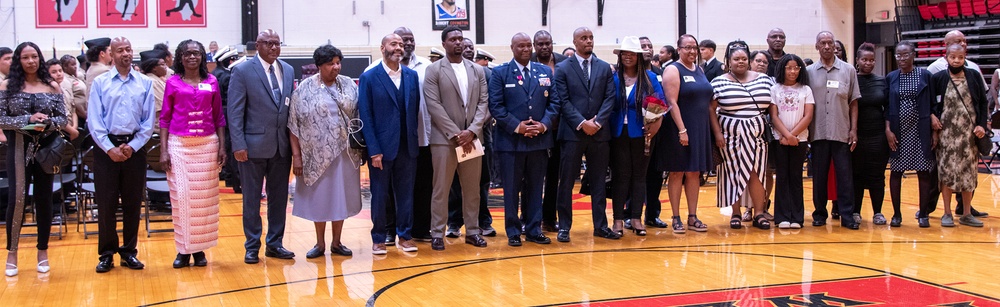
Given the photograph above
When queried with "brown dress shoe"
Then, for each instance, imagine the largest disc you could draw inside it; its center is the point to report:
(475, 240)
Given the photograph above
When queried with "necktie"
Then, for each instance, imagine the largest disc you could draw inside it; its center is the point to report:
(525, 74)
(586, 69)
(275, 90)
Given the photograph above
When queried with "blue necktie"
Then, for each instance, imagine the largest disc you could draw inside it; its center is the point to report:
(275, 90)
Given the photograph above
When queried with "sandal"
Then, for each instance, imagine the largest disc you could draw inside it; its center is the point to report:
(677, 225)
(696, 224)
(736, 222)
(761, 222)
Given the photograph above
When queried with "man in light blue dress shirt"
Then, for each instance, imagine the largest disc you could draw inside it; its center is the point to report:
(121, 122)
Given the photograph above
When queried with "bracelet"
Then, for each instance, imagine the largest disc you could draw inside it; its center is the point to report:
(682, 131)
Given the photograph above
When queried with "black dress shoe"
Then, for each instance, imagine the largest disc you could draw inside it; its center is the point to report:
(976, 213)
(818, 223)
(105, 265)
(280, 253)
(896, 221)
(607, 233)
(563, 236)
(183, 260)
(390, 240)
(923, 222)
(340, 249)
(476, 240)
(315, 252)
(835, 215)
(514, 241)
(131, 262)
(489, 232)
(437, 244)
(656, 223)
(851, 225)
(549, 227)
(251, 257)
(199, 259)
(539, 239)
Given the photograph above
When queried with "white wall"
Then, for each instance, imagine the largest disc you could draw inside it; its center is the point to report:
(872, 7)
(223, 26)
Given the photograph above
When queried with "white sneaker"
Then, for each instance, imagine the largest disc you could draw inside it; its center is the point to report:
(784, 225)
(796, 226)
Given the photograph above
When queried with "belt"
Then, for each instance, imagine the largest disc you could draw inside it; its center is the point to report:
(120, 139)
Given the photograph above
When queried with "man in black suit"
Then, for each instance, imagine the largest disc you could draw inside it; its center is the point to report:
(586, 91)
(713, 68)
(542, 42)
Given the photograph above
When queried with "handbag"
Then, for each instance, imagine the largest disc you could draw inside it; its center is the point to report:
(984, 145)
(355, 138)
(51, 156)
(768, 135)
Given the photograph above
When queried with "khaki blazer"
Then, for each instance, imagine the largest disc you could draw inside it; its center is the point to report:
(444, 101)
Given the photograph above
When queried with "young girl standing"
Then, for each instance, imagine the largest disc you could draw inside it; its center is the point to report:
(791, 111)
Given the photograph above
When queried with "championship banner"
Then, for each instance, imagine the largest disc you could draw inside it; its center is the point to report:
(60, 14)
(121, 14)
(181, 14)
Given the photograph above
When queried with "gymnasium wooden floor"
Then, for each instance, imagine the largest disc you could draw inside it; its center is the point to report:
(814, 266)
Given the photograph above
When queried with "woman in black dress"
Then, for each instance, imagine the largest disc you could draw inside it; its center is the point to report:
(872, 153)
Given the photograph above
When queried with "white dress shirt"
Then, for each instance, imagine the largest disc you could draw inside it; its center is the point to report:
(277, 73)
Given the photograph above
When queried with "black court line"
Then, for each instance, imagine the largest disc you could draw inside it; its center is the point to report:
(553, 254)
(375, 296)
(707, 291)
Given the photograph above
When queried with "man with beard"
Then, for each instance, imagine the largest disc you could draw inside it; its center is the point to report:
(456, 94)
(543, 54)
(389, 107)
(775, 49)
(422, 188)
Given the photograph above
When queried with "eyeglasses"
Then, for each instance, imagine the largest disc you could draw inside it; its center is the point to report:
(273, 43)
(904, 55)
(191, 53)
(688, 48)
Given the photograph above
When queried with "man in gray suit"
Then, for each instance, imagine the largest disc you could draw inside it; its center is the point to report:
(456, 95)
(259, 92)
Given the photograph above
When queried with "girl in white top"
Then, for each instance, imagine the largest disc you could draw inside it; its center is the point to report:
(791, 111)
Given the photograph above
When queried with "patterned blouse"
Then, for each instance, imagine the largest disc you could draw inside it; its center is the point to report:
(314, 117)
(16, 108)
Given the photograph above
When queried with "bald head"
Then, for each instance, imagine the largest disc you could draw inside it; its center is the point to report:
(520, 36)
(402, 30)
(955, 37)
(824, 34)
(826, 46)
(583, 40)
(409, 43)
(543, 45)
(265, 34)
(268, 46)
(121, 53)
(520, 46)
(776, 41)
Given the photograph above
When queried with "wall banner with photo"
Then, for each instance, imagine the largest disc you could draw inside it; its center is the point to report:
(121, 14)
(450, 13)
(61, 13)
(181, 13)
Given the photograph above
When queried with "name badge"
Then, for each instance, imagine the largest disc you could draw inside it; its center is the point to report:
(939, 98)
(688, 79)
(287, 100)
(832, 84)
(509, 85)
(544, 82)
(204, 87)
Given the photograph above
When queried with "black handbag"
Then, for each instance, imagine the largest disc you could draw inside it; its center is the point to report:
(51, 156)
(984, 145)
(355, 138)
(768, 135)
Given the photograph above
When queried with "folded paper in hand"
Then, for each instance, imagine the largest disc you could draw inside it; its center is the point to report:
(475, 153)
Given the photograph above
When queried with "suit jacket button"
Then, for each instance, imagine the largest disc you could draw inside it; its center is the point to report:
(529, 107)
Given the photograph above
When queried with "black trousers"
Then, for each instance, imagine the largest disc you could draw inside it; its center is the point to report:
(825, 151)
(113, 181)
(789, 205)
(597, 167)
(629, 164)
(42, 192)
(551, 186)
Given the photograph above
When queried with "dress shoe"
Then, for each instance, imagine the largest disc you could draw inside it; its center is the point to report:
(656, 223)
(105, 265)
(315, 252)
(251, 257)
(131, 262)
(607, 233)
(476, 240)
(850, 224)
(489, 232)
(549, 227)
(563, 236)
(199, 259)
(182, 261)
(835, 215)
(279, 252)
(43, 266)
(422, 238)
(896, 221)
(12, 271)
(539, 239)
(819, 223)
(340, 249)
(437, 244)
(514, 241)
(390, 240)
(452, 232)
(924, 222)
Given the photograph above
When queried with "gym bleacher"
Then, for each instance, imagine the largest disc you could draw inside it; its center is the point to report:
(925, 23)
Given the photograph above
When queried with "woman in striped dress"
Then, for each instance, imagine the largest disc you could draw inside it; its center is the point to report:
(741, 98)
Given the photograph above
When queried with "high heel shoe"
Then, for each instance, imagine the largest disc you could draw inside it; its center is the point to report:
(182, 260)
(10, 272)
(199, 259)
(43, 266)
(639, 232)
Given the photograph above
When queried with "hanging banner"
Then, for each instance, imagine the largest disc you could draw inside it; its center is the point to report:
(60, 13)
(181, 14)
(121, 14)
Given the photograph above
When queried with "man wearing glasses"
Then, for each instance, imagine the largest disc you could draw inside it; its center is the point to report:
(259, 93)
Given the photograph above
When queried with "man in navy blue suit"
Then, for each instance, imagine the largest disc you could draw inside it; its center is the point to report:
(524, 106)
(388, 103)
(586, 93)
